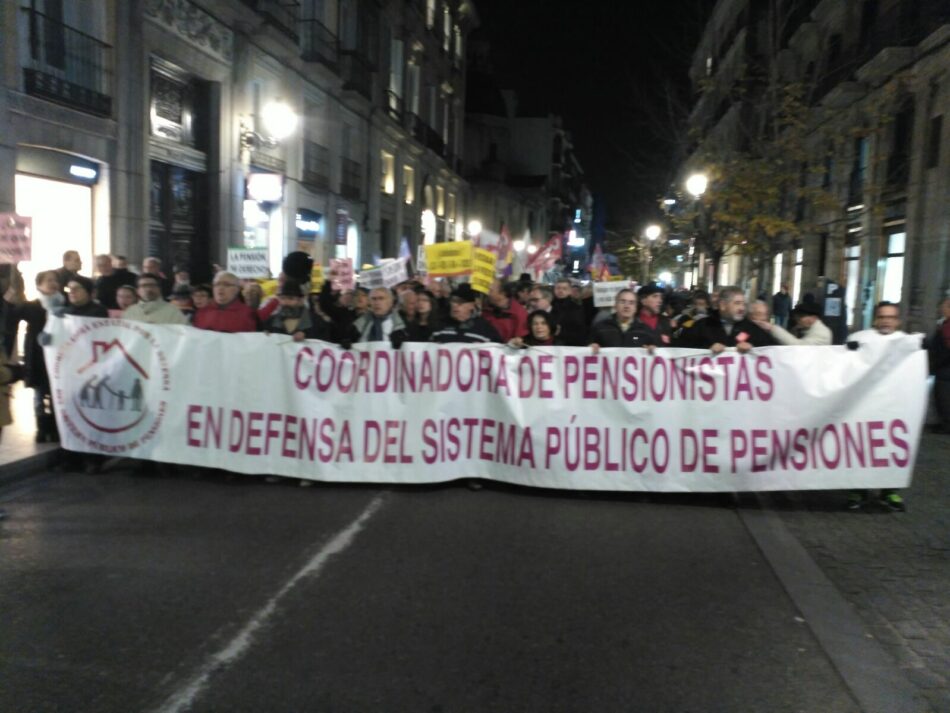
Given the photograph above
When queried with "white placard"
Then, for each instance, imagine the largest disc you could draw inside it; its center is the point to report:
(605, 293)
(248, 263)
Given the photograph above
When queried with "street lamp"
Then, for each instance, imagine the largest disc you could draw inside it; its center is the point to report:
(278, 121)
(653, 232)
(696, 184)
(475, 228)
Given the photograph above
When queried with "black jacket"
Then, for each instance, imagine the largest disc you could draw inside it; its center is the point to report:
(569, 316)
(709, 330)
(474, 331)
(34, 361)
(90, 309)
(662, 335)
(607, 333)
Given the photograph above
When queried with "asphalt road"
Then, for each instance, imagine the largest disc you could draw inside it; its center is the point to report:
(125, 592)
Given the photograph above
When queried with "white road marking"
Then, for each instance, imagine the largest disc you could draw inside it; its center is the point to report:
(182, 699)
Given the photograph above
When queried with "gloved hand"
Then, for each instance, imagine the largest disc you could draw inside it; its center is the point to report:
(397, 338)
(346, 344)
(45, 339)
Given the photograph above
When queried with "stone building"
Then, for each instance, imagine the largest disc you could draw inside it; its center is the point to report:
(179, 128)
(874, 74)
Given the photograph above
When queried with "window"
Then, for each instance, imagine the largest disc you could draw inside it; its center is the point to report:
(799, 259)
(852, 262)
(446, 28)
(894, 267)
(933, 142)
(777, 274)
(415, 82)
(451, 206)
(459, 50)
(408, 184)
(440, 200)
(394, 93)
(430, 14)
(388, 170)
(898, 163)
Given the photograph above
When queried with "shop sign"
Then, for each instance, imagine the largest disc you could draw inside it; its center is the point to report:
(342, 225)
(16, 238)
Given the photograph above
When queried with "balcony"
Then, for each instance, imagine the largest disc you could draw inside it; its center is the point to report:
(316, 164)
(418, 128)
(319, 44)
(356, 72)
(282, 14)
(351, 179)
(434, 141)
(67, 66)
(393, 104)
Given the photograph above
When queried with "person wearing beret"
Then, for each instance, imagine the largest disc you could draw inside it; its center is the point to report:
(649, 316)
(808, 318)
(464, 325)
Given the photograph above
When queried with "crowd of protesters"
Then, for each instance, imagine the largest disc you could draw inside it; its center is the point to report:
(519, 313)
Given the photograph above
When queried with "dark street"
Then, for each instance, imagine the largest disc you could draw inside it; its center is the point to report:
(127, 592)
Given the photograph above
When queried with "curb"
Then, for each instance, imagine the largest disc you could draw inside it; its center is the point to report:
(23, 468)
(873, 677)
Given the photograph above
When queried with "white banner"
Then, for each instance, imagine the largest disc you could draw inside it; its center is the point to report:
(780, 418)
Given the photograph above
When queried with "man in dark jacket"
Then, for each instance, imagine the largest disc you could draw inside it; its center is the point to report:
(940, 367)
(621, 329)
(464, 325)
(569, 315)
(726, 327)
(382, 322)
(649, 315)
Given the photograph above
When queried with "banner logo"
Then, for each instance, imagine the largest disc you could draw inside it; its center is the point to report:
(108, 382)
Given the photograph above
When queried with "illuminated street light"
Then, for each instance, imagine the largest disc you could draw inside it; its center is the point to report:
(696, 184)
(653, 232)
(475, 227)
(532, 249)
(518, 245)
(280, 120)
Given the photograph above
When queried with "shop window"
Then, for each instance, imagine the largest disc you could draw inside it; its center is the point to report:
(852, 271)
(797, 288)
(894, 267)
(777, 274)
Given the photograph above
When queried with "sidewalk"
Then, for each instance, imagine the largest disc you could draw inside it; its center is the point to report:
(20, 455)
(893, 568)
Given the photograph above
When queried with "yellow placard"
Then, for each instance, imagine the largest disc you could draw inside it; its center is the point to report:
(449, 259)
(615, 278)
(316, 278)
(483, 270)
(269, 287)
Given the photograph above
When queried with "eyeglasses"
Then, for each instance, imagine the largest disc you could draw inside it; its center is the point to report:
(226, 284)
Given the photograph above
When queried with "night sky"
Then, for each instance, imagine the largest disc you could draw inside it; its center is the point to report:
(616, 70)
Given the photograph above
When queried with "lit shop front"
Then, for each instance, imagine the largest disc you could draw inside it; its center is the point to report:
(66, 197)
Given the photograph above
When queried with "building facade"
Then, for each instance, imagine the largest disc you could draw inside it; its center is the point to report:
(179, 128)
(873, 78)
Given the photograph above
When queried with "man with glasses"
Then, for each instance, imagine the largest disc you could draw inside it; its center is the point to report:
(151, 308)
(620, 328)
(226, 313)
(727, 326)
